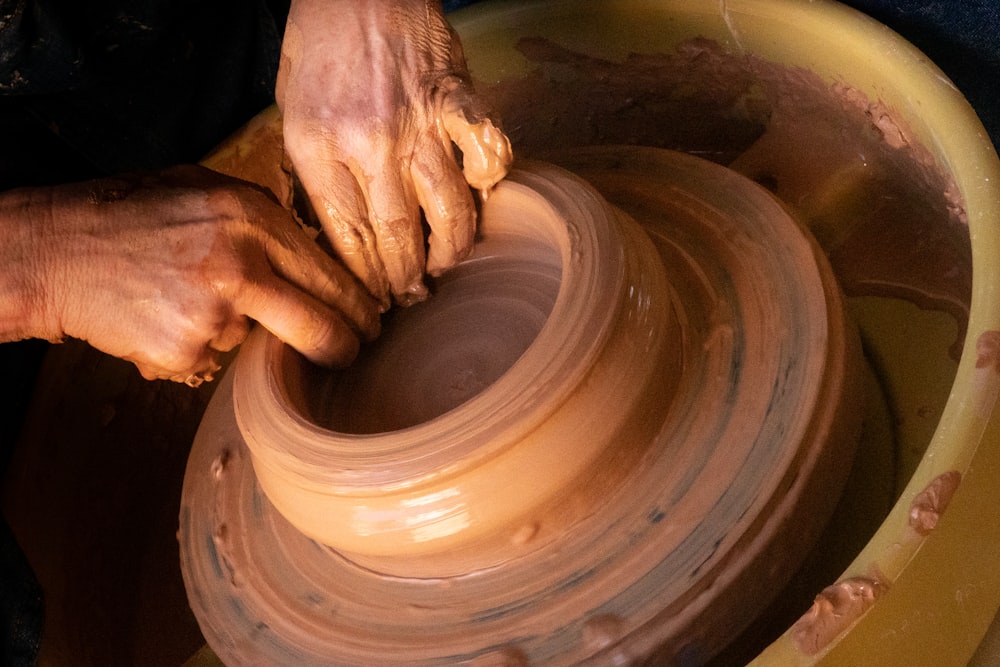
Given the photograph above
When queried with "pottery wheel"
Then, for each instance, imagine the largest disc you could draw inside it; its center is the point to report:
(675, 559)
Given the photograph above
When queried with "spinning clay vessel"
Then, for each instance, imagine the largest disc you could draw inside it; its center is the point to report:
(618, 432)
(676, 396)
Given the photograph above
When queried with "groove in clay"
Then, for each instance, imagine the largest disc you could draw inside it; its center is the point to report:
(621, 489)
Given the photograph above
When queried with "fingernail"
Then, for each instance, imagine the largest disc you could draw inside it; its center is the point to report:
(340, 357)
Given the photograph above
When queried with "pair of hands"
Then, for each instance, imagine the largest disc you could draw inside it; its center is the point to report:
(166, 269)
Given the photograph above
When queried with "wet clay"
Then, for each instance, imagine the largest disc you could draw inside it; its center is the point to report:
(433, 478)
(890, 221)
(930, 504)
(436, 355)
(130, 436)
(526, 579)
(835, 609)
(613, 453)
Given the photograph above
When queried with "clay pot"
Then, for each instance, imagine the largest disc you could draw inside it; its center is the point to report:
(688, 389)
(534, 361)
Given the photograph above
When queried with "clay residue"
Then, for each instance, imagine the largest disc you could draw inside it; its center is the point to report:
(928, 506)
(682, 101)
(892, 223)
(834, 610)
(988, 351)
(434, 356)
(109, 191)
(485, 149)
(986, 376)
(255, 153)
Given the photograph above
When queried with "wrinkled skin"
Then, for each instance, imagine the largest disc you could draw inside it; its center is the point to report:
(373, 96)
(165, 270)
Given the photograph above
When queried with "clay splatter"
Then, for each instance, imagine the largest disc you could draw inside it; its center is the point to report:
(930, 504)
(834, 610)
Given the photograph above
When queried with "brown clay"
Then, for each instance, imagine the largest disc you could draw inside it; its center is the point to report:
(476, 530)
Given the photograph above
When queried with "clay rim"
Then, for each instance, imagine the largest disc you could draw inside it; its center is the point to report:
(589, 242)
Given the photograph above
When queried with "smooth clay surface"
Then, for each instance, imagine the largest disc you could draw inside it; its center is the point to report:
(718, 396)
(427, 487)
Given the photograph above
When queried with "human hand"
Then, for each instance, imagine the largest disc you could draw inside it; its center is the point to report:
(165, 269)
(373, 95)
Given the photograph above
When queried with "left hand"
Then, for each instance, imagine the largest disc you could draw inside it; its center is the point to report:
(373, 95)
(165, 269)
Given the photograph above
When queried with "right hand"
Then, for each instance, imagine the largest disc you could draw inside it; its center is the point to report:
(164, 270)
(374, 94)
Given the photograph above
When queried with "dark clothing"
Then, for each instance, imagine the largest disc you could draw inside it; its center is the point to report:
(21, 606)
(122, 85)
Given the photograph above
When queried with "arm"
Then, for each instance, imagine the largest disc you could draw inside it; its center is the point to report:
(165, 269)
(374, 95)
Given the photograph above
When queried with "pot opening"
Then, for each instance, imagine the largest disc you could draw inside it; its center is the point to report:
(434, 356)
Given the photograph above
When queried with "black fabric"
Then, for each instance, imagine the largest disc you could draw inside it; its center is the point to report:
(132, 84)
(21, 605)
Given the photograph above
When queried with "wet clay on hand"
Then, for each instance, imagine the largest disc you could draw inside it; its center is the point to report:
(374, 95)
(165, 270)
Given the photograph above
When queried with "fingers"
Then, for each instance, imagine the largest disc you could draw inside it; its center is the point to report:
(299, 260)
(310, 326)
(396, 221)
(447, 205)
(380, 239)
(382, 243)
(340, 205)
(308, 300)
(317, 331)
